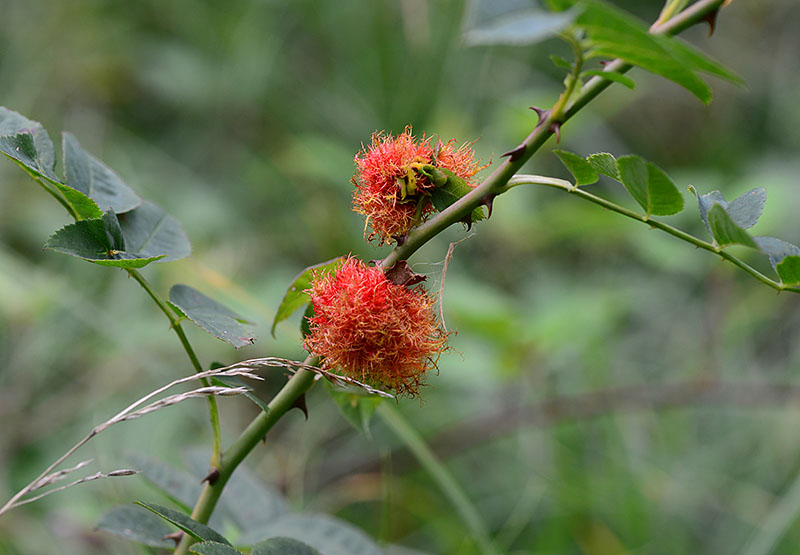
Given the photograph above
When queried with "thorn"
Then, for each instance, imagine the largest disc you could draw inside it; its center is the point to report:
(212, 477)
(488, 200)
(515, 153)
(175, 536)
(402, 274)
(400, 238)
(604, 63)
(300, 403)
(541, 113)
(467, 221)
(711, 19)
(555, 127)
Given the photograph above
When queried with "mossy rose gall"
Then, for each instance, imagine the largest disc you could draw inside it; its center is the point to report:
(389, 190)
(373, 330)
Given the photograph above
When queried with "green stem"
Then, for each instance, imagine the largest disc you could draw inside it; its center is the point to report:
(440, 475)
(675, 232)
(175, 324)
(249, 438)
(494, 184)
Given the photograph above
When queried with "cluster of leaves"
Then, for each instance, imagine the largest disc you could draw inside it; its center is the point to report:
(113, 225)
(604, 31)
(726, 222)
(256, 513)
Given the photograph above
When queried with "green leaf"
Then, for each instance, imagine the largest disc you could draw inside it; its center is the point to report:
(135, 524)
(213, 548)
(789, 269)
(180, 486)
(582, 170)
(613, 33)
(604, 164)
(649, 186)
(746, 209)
(784, 257)
(90, 176)
(283, 546)
(150, 231)
(743, 211)
(452, 189)
(560, 62)
(519, 28)
(329, 535)
(295, 296)
(725, 230)
(305, 321)
(27, 143)
(98, 240)
(215, 318)
(356, 407)
(35, 153)
(198, 531)
(611, 76)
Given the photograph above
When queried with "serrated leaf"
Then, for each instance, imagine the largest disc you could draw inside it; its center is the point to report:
(180, 486)
(725, 230)
(27, 143)
(523, 27)
(611, 76)
(37, 155)
(195, 529)
(581, 170)
(613, 33)
(356, 407)
(746, 209)
(213, 548)
(98, 240)
(90, 176)
(214, 317)
(453, 188)
(136, 524)
(789, 269)
(150, 231)
(283, 546)
(604, 164)
(784, 257)
(649, 186)
(295, 296)
(329, 535)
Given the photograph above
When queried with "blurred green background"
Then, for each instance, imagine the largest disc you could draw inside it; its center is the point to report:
(241, 118)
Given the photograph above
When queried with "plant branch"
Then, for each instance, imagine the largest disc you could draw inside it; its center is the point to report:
(175, 324)
(493, 185)
(284, 400)
(675, 232)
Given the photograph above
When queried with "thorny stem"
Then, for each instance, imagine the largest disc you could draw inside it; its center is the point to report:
(249, 438)
(175, 324)
(675, 232)
(491, 186)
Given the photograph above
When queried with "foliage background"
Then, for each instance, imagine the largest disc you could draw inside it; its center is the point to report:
(242, 117)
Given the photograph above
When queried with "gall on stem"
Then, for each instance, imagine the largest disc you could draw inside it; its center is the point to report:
(371, 329)
(389, 191)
